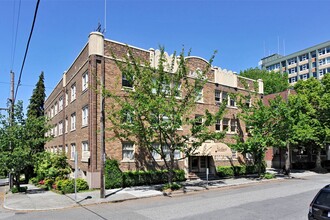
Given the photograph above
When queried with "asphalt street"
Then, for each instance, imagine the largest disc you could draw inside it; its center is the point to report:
(280, 199)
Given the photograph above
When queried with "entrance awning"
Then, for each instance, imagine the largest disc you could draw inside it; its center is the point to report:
(217, 150)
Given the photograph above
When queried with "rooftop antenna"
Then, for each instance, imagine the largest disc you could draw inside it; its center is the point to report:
(105, 17)
(98, 29)
(284, 47)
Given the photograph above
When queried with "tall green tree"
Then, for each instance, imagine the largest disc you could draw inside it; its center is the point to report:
(37, 100)
(316, 95)
(273, 82)
(293, 125)
(259, 122)
(36, 117)
(156, 112)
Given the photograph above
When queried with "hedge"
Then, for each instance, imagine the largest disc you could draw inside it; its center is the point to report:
(240, 170)
(115, 178)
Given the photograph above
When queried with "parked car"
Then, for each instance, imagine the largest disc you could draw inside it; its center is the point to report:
(320, 206)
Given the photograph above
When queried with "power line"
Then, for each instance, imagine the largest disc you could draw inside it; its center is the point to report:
(14, 42)
(26, 50)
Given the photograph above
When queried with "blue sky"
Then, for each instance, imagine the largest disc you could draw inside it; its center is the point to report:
(242, 31)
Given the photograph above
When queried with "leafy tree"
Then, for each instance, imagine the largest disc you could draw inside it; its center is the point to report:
(14, 153)
(259, 121)
(293, 125)
(316, 95)
(156, 110)
(273, 82)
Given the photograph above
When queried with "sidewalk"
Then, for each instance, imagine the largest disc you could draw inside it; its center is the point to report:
(36, 200)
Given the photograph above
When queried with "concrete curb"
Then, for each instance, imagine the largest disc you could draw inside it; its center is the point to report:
(127, 194)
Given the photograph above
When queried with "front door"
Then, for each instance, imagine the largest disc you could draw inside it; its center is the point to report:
(198, 164)
(194, 164)
(203, 164)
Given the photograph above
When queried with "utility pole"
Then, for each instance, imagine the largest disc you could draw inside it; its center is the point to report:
(102, 122)
(11, 116)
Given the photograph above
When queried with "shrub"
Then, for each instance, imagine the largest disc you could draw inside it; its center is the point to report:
(48, 183)
(240, 170)
(268, 176)
(113, 175)
(173, 186)
(20, 189)
(137, 178)
(82, 184)
(224, 171)
(33, 180)
(67, 186)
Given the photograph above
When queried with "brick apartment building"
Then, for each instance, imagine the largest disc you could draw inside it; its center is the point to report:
(74, 109)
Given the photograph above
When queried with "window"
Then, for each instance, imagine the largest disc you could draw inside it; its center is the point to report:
(199, 97)
(322, 51)
(198, 120)
(232, 102)
(66, 98)
(322, 62)
(84, 81)
(128, 151)
(321, 72)
(73, 92)
(55, 130)
(73, 150)
(303, 57)
(217, 95)
(66, 149)
(292, 80)
(60, 128)
(60, 103)
(313, 54)
(224, 97)
(73, 121)
(85, 116)
(66, 124)
(225, 124)
(292, 61)
(55, 107)
(292, 70)
(218, 125)
(233, 126)
(304, 76)
(248, 102)
(127, 116)
(84, 146)
(52, 111)
(126, 82)
(304, 67)
(166, 152)
(177, 89)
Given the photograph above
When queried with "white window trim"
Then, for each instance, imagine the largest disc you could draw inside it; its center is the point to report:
(73, 150)
(133, 151)
(84, 116)
(73, 121)
(73, 92)
(84, 81)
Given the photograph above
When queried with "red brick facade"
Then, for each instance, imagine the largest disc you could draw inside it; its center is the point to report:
(94, 64)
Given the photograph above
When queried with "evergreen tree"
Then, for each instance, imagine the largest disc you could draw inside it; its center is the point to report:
(37, 100)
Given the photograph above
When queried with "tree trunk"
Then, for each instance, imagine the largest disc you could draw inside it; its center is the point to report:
(287, 160)
(318, 165)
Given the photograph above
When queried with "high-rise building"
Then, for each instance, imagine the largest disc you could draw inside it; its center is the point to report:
(310, 62)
